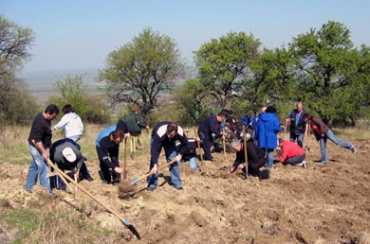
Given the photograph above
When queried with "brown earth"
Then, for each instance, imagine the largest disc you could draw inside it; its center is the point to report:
(320, 204)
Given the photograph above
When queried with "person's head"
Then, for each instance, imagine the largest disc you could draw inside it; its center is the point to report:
(299, 106)
(171, 130)
(263, 109)
(280, 140)
(67, 109)
(69, 155)
(221, 116)
(236, 145)
(307, 117)
(270, 109)
(250, 113)
(134, 109)
(51, 112)
(117, 136)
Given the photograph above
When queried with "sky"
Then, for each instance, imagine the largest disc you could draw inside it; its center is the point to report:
(79, 34)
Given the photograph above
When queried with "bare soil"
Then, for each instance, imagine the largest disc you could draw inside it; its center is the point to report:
(320, 204)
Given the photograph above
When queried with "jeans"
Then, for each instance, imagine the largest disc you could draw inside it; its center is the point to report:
(269, 152)
(171, 152)
(297, 136)
(38, 167)
(192, 163)
(330, 135)
(75, 138)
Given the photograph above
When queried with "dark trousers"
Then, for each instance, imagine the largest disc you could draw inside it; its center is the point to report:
(107, 172)
(207, 149)
(295, 160)
(254, 168)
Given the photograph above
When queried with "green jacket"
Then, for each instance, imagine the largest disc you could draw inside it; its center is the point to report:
(135, 123)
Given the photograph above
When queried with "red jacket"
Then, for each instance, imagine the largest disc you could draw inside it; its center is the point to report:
(289, 150)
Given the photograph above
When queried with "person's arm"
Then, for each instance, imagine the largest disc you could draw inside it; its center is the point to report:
(284, 155)
(62, 123)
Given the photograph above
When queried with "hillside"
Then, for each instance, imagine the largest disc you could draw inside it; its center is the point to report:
(320, 204)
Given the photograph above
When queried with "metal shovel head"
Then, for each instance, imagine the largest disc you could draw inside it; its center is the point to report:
(134, 182)
(131, 228)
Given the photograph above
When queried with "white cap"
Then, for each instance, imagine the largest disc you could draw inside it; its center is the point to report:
(69, 154)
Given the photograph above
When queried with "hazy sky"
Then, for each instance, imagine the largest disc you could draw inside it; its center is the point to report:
(79, 34)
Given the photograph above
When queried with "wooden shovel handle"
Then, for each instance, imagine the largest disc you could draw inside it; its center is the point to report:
(148, 174)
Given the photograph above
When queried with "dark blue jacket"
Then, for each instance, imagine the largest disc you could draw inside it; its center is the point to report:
(160, 139)
(268, 125)
(208, 126)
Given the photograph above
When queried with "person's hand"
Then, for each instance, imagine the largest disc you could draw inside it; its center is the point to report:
(45, 156)
(76, 173)
(154, 169)
(305, 134)
(118, 170)
(178, 158)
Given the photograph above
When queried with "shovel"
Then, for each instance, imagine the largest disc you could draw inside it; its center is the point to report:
(124, 221)
(135, 181)
(245, 151)
(125, 161)
(308, 138)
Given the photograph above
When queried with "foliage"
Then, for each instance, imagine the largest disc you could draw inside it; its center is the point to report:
(91, 108)
(16, 103)
(332, 75)
(224, 62)
(193, 101)
(140, 71)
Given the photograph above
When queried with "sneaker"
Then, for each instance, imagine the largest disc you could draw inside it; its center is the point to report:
(150, 188)
(179, 188)
(115, 183)
(303, 164)
(89, 178)
(29, 191)
(353, 149)
(322, 162)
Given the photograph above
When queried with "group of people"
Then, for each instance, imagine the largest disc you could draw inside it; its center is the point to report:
(254, 149)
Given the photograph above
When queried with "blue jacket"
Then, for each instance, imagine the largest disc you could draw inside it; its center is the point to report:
(268, 125)
(209, 126)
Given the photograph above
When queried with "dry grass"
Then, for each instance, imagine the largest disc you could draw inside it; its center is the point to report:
(51, 220)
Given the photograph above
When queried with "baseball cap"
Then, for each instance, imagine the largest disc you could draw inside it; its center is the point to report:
(69, 155)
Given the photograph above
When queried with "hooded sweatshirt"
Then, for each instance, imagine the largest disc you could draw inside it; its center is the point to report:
(72, 125)
(268, 125)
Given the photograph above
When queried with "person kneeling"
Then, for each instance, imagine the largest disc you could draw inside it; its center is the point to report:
(256, 158)
(292, 153)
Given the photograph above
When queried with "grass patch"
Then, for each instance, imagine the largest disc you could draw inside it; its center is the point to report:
(23, 219)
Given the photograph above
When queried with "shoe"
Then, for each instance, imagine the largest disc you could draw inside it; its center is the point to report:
(179, 188)
(115, 183)
(29, 191)
(322, 162)
(150, 188)
(232, 169)
(353, 149)
(303, 164)
(89, 178)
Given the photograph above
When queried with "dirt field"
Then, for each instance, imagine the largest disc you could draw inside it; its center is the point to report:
(320, 204)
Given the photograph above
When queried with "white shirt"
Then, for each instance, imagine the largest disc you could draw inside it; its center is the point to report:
(72, 123)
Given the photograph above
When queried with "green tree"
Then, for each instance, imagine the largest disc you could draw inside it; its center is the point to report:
(194, 101)
(14, 44)
(140, 71)
(72, 90)
(330, 72)
(224, 62)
